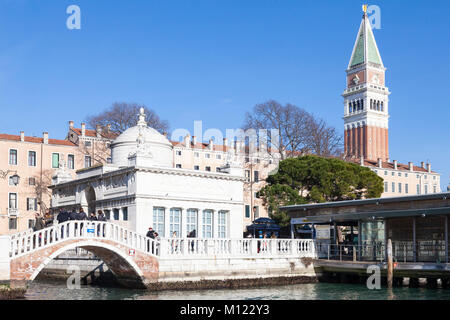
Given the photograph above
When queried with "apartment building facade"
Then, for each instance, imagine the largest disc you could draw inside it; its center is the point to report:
(405, 179)
(258, 162)
(28, 165)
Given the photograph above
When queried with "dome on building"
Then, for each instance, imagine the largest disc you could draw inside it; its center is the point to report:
(150, 135)
(143, 141)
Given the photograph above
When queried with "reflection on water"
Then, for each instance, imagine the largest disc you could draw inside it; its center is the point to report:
(315, 291)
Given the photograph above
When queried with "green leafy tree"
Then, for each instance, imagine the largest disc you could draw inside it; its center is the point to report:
(313, 179)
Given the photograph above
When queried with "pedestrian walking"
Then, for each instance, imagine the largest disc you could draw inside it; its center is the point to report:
(62, 217)
(151, 244)
(101, 226)
(192, 234)
(151, 233)
(38, 225)
(81, 216)
(174, 242)
(101, 216)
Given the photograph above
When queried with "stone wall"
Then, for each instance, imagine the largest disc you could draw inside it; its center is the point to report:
(193, 271)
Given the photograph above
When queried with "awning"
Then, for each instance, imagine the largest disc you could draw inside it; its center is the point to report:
(376, 215)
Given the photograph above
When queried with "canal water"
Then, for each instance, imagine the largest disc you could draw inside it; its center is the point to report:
(316, 291)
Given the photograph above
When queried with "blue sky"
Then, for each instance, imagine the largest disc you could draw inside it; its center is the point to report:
(213, 60)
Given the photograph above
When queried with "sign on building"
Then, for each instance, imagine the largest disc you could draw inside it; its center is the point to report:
(322, 232)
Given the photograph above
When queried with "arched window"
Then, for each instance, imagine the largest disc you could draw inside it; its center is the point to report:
(378, 105)
(382, 108)
(371, 104)
(350, 107)
(362, 104)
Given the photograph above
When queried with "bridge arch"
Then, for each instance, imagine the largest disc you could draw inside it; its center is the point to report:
(131, 271)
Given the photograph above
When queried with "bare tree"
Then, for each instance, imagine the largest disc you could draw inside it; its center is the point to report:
(324, 140)
(99, 151)
(300, 132)
(41, 183)
(291, 122)
(122, 115)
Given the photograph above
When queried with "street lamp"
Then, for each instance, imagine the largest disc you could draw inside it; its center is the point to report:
(15, 179)
(4, 174)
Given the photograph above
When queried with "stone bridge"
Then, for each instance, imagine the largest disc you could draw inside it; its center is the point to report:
(130, 256)
(141, 262)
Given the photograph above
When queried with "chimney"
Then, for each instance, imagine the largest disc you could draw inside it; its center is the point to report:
(361, 161)
(98, 129)
(225, 144)
(395, 165)
(422, 164)
(187, 141)
(22, 136)
(194, 140)
(70, 124)
(83, 129)
(429, 167)
(108, 127)
(380, 163)
(211, 144)
(411, 166)
(45, 135)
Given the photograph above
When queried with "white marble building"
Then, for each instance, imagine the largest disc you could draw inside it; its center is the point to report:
(141, 188)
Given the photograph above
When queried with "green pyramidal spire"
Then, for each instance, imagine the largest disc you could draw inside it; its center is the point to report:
(365, 49)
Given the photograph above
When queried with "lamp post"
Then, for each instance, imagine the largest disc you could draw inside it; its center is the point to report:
(4, 174)
(15, 179)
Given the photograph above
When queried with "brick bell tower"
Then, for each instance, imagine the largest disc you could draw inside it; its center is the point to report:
(366, 99)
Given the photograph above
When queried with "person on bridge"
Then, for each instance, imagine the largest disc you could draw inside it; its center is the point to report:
(39, 223)
(63, 216)
(151, 233)
(93, 217)
(73, 214)
(192, 234)
(101, 216)
(150, 244)
(81, 215)
(157, 238)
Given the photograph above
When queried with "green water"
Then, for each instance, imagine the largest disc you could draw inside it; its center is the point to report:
(315, 291)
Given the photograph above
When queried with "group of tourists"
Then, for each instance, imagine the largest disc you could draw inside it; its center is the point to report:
(64, 215)
(174, 244)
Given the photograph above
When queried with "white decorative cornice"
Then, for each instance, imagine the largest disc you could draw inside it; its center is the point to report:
(192, 173)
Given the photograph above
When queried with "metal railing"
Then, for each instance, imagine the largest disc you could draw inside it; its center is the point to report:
(433, 251)
(345, 252)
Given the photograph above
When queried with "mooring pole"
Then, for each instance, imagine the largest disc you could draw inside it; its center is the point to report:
(390, 267)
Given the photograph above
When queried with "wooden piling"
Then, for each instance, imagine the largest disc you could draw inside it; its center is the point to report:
(390, 269)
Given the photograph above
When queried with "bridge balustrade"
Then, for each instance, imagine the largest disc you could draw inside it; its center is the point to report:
(28, 242)
(182, 247)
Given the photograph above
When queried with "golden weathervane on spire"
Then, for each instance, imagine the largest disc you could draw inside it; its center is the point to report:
(364, 8)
